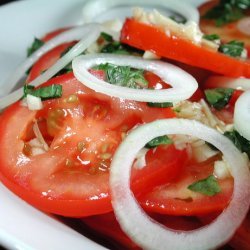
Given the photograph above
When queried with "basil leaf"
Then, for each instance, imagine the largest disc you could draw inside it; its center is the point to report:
(239, 141)
(208, 186)
(37, 43)
(52, 91)
(160, 104)
(233, 48)
(211, 37)
(107, 37)
(227, 11)
(161, 140)
(124, 76)
(218, 97)
(178, 19)
(116, 47)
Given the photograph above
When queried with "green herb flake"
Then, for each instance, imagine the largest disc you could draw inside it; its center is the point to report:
(160, 104)
(178, 19)
(124, 76)
(37, 44)
(233, 48)
(227, 11)
(212, 37)
(107, 37)
(218, 97)
(208, 186)
(239, 141)
(161, 140)
(49, 92)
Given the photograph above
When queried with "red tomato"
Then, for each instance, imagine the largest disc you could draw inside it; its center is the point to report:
(47, 60)
(176, 199)
(53, 34)
(83, 130)
(148, 37)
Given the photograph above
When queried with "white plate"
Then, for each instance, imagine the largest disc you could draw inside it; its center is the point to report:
(22, 226)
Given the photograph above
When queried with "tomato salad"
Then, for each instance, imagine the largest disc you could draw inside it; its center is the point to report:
(143, 134)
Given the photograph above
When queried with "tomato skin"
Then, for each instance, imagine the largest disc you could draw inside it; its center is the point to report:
(146, 37)
(54, 33)
(47, 60)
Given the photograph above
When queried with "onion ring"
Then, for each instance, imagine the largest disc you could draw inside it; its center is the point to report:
(184, 85)
(146, 232)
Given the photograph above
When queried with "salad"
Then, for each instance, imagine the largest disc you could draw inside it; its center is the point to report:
(139, 129)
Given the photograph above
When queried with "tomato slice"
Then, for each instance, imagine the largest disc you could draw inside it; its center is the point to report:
(148, 37)
(53, 34)
(83, 130)
(176, 199)
(47, 60)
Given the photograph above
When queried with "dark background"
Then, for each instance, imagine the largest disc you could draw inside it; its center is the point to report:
(4, 2)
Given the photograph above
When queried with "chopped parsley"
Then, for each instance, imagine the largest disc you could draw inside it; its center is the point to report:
(218, 97)
(160, 104)
(239, 141)
(106, 37)
(227, 11)
(212, 37)
(208, 186)
(52, 91)
(161, 140)
(232, 48)
(124, 76)
(37, 44)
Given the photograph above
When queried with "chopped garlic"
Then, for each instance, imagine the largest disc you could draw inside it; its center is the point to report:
(221, 169)
(140, 161)
(203, 152)
(150, 55)
(34, 103)
(114, 25)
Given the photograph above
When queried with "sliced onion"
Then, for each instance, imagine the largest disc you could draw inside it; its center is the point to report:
(146, 232)
(227, 82)
(184, 85)
(89, 32)
(94, 8)
(242, 115)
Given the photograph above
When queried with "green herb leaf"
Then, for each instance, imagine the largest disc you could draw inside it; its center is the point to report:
(160, 104)
(124, 76)
(52, 91)
(239, 141)
(37, 43)
(211, 37)
(208, 186)
(233, 48)
(178, 19)
(161, 140)
(218, 97)
(227, 11)
(107, 37)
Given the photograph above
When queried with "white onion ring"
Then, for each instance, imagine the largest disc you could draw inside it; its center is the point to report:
(227, 82)
(94, 8)
(146, 232)
(184, 85)
(242, 115)
(91, 30)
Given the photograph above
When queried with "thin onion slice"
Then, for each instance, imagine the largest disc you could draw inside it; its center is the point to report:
(184, 85)
(94, 8)
(146, 232)
(227, 82)
(89, 34)
(242, 115)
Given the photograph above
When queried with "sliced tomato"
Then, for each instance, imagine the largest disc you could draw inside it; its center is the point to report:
(53, 34)
(176, 199)
(47, 60)
(148, 37)
(227, 32)
(83, 130)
